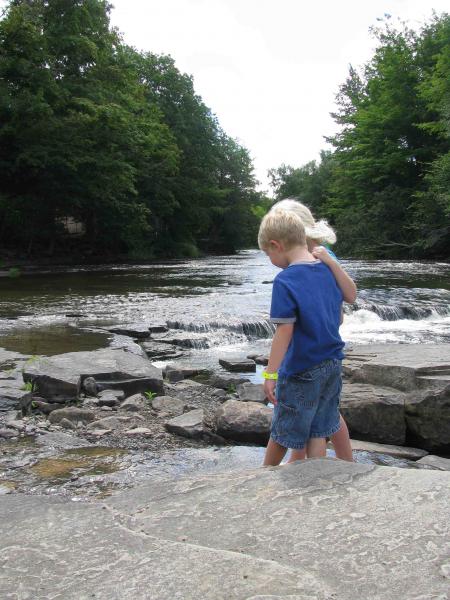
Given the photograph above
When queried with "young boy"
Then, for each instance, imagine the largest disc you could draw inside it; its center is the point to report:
(306, 353)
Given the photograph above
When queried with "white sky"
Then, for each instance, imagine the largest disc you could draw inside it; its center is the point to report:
(269, 69)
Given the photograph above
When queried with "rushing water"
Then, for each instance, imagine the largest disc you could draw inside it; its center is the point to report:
(220, 302)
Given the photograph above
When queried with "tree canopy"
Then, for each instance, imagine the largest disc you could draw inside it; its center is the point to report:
(112, 138)
(386, 184)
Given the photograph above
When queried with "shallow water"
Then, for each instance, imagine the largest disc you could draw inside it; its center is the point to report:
(222, 301)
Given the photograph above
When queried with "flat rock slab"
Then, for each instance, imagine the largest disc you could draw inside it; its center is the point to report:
(397, 451)
(167, 404)
(249, 535)
(402, 366)
(437, 462)
(64, 374)
(238, 365)
(139, 331)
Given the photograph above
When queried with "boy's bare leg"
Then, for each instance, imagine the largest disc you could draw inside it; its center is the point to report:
(274, 454)
(341, 442)
(316, 448)
(297, 455)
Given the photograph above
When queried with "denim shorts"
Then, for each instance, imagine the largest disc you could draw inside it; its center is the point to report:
(307, 405)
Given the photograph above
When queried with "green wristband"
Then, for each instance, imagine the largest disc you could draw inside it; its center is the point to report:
(273, 376)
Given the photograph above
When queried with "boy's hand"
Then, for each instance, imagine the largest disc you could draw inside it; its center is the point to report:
(269, 389)
(321, 253)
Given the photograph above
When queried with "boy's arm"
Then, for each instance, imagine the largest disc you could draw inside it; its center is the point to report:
(281, 340)
(344, 281)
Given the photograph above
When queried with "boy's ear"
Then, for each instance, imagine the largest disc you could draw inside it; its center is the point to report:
(275, 245)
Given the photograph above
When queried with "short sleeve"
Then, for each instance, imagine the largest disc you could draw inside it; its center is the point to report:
(284, 307)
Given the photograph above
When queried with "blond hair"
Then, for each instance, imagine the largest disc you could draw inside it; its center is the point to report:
(282, 226)
(318, 231)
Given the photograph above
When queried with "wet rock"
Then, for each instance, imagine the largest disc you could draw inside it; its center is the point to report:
(437, 462)
(239, 365)
(189, 424)
(72, 413)
(137, 431)
(140, 332)
(428, 419)
(135, 403)
(60, 441)
(259, 359)
(99, 433)
(226, 382)
(11, 395)
(169, 405)
(64, 374)
(114, 422)
(251, 392)
(244, 421)
(374, 413)
(397, 451)
(7, 434)
(158, 328)
(157, 351)
(175, 374)
(90, 386)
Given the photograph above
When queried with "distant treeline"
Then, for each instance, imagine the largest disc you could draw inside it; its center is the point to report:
(111, 144)
(386, 184)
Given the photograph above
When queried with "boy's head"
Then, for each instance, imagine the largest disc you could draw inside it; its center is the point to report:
(281, 231)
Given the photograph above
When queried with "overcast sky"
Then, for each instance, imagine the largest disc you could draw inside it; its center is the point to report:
(269, 69)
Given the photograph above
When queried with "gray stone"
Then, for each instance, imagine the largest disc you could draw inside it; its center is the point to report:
(201, 538)
(90, 386)
(135, 403)
(158, 328)
(114, 422)
(244, 421)
(10, 395)
(189, 424)
(99, 433)
(428, 419)
(63, 374)
(251, 392)
(239, 365)
(60, 441)
(72, 413)
(167, 404)
(16, 424)
(397, 451)
(174, 373)
(437, 462)
(140, 332)
(158, 351)
(374, 413)
(137, 431)
(7, 434)
(406, 367)
(66, 424)
(226, 382)
(44, 407)
(118, 394)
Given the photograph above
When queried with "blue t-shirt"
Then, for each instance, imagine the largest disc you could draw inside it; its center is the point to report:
(306, 294)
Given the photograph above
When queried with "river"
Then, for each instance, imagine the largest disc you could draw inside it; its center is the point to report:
(222, 302)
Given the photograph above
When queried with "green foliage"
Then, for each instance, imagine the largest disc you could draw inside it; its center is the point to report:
(28, 387)
(117, 140)
(150, 395)
(13, 273)
(386, 184)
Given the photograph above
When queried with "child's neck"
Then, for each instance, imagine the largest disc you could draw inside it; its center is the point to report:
(299, 253)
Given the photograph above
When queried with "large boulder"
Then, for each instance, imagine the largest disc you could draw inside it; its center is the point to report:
(63, 374)
(374, 413)
(406, 367)
(244, 421)
(428, 419)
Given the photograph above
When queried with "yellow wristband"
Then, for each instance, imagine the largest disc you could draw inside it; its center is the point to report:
(267, 375)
